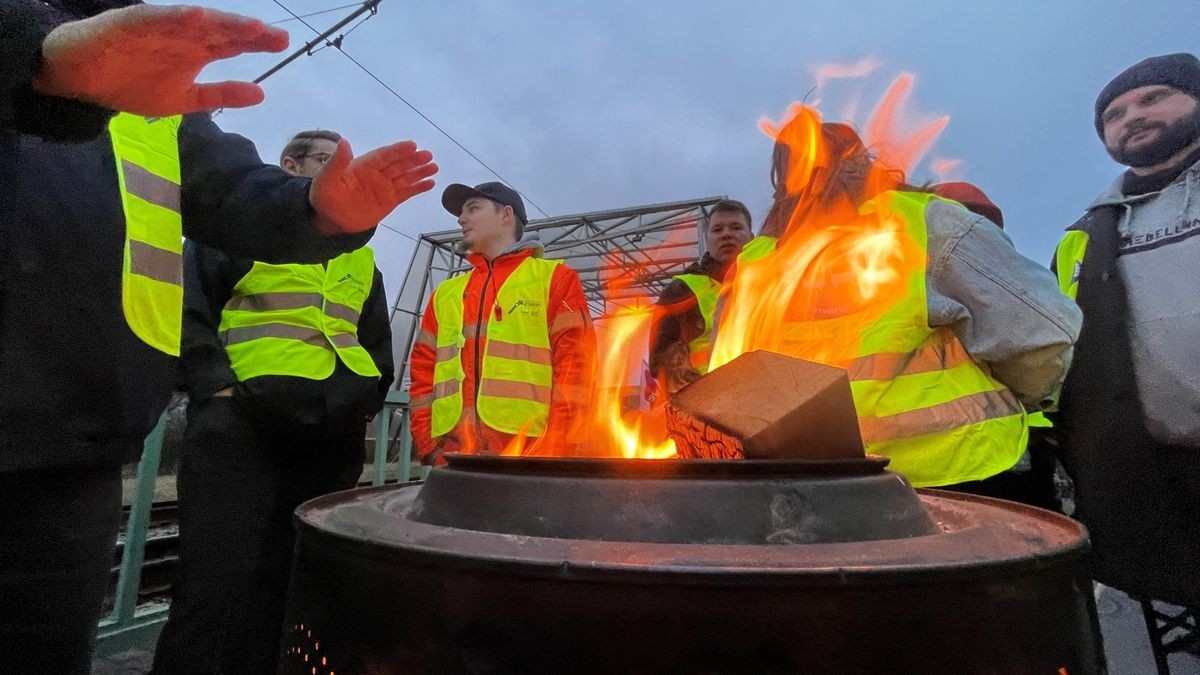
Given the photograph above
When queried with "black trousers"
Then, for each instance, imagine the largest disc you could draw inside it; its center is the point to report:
(58, 533)
(239, 484)
(1034, 487)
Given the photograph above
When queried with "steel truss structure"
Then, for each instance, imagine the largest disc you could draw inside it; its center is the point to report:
(649, 244)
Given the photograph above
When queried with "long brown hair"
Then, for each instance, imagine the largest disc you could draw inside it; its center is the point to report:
(848, 172)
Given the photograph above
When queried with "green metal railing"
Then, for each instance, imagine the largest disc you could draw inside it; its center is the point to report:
(129, 627)
(126, 627)
(396, 401)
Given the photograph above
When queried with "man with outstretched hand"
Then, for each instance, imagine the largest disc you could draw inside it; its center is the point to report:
(109, 165)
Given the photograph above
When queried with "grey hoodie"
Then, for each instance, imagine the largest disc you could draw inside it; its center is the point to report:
(1159, 261)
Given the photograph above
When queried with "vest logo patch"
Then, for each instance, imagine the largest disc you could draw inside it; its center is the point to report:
(1077, 272)
(530, 308)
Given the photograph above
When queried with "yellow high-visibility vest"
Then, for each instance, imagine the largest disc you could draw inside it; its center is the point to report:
(297, 320)
(147, 154)
(922, 401)
(1068, 262)
(516, 375)
(707, 290)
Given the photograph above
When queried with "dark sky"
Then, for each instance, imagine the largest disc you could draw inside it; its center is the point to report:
(598, 105)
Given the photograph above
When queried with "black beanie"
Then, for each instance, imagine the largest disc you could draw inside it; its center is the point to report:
(1181, 71)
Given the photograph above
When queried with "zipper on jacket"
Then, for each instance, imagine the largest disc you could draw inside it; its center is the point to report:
(478, 354)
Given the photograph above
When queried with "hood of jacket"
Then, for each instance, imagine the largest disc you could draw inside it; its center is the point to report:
(529, 242)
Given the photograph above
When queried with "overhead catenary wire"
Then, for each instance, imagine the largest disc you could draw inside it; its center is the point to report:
(369, 7)
(323, 11)
(338, 44)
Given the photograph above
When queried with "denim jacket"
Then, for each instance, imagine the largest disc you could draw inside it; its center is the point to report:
(1006, 309)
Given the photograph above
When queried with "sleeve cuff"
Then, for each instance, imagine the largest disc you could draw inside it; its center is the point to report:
(26, 110)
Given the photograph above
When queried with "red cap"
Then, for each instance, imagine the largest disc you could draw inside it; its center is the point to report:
(971, 197)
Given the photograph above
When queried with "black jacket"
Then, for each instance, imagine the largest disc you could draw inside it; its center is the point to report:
(292, 405)
(1140, 499)
(76, 386)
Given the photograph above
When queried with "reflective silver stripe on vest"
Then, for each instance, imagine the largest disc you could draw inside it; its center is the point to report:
(343, 312)
(155, 263)
(509, 350)
(882, 367)
(940, 418)
(150, 187)
(513, 389)
(447, 353)
(445, 389)
(426, 338)
(344, 341)
(265, 302)
(241, 334)
(420, 402)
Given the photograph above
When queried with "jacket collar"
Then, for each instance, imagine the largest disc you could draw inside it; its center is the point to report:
(529, 246)
(1115, 193)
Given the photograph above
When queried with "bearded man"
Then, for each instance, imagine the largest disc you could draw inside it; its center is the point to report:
(1129, 417)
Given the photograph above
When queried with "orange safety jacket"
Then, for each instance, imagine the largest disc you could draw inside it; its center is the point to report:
(573, 356)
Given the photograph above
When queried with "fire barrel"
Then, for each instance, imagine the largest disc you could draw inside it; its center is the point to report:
(521, 565)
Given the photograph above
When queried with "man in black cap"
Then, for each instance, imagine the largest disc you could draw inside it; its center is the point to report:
(1129, 416)
(506, 351)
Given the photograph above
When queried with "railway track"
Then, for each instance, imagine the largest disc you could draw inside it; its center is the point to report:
(160, 566)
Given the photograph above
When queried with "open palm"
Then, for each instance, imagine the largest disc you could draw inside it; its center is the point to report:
(144, 59)
(353, 194)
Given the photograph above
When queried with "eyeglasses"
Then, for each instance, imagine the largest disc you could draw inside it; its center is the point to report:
(321, 157)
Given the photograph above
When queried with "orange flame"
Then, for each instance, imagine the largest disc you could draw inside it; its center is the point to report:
(837, 267)
(837, 71)
(888, 140)
(632, 434)
(946, 169)
(520, 445)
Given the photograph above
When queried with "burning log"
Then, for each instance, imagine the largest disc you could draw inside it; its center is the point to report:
(765, 405)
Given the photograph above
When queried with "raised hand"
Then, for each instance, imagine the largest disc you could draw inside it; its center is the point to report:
(144, 59)
(353, 194)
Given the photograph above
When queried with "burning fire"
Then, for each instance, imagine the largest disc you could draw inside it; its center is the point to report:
(611, 430)
(632, 434)
(836, 266)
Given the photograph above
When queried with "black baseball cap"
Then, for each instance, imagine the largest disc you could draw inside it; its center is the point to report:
(457, 194)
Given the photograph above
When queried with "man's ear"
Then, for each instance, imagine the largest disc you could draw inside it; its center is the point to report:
(290, 165)
(516, 226)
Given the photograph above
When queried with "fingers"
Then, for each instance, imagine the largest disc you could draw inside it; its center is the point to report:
(422, 163)
(222, 95)
(412, 175)
(411, 190)
(340, 161)
(220, 30)
(238, 27)
(228, 49)
(381, 158)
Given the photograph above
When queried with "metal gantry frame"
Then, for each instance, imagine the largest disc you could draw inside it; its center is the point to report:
(651, 243)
